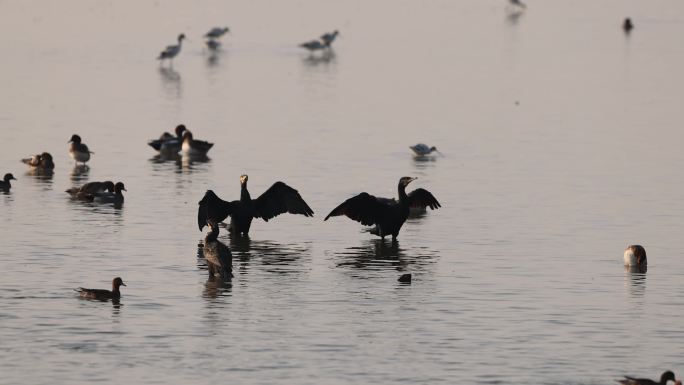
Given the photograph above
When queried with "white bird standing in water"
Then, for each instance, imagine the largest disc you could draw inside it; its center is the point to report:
(172, 50)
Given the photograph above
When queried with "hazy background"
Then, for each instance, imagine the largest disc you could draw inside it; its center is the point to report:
(562, 140)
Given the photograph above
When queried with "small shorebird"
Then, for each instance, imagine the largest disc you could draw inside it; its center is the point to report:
(328, 38)
(172, 50)
(216, 32)
(422, 149)
(313, 45)
(78, 151)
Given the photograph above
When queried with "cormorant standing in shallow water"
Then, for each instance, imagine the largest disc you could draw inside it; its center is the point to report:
(218, 256)
(278, 199)
(388, 215)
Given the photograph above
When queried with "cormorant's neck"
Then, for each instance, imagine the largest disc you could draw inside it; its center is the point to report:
(244, 194)
(402, 193)
(212, 236)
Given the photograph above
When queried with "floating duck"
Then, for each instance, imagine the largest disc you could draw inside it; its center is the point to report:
(5, 183)
(102, 294)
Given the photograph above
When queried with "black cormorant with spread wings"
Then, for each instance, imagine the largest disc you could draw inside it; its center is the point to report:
(388, 215)
(278, 199)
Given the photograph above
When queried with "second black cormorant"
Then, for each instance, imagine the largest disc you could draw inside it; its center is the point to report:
(217, 254)
(278, 199)
(388, 215)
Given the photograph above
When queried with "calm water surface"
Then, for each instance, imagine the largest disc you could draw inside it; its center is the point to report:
(562, 142)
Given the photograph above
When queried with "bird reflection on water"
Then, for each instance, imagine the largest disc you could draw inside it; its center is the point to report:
(41, 176)
(378, 254)
(278, 258)
(635, 280)
(171, 80)
(182, 163)
(80, 173)
(327, 57)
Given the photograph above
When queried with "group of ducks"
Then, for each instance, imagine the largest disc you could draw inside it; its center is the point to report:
(214, 44)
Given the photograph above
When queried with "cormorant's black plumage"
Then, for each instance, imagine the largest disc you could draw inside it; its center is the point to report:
(278, 199)
(388, 215)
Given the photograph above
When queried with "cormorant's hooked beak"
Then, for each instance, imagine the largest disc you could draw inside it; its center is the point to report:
(412, 179)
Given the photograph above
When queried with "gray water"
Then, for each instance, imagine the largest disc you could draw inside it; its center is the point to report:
(562, 145)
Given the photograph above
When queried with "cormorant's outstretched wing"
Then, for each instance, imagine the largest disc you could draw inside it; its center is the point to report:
(278, 199)
(421, 198)
(363, 208)
(211, 207)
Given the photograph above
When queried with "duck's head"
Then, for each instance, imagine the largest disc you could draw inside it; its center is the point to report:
(181, 37)
(243, 179)
(404, 181)
(119, 187)
(46, 156)
(74, 139)
(187, 135)
(667, 376)
(9, 177)
(180, 129)
(118, 282)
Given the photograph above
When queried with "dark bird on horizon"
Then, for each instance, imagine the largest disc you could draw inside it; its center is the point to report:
(216, 32)
(172, 50)
(313, 45)
(329, 38)
(664, 379)
(627, 25)
(278, 199)
(5, 184)
(517, 3)
(102, 294)
(422, 149)
(387, 214)
(168, 143)
(40, 162)
(217, 254)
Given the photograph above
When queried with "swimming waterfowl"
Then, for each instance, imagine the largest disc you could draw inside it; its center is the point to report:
(172, 50)
(5, 184)
(313, 45)
(328, 38)
(192, 146)
(167, 143)
(87, 191)
(422, 149)
(635, 255)
(216, 32)
(78, 151)
(102, 294)
(388, 215)
(667, 376)
(278, 199)
(109, 197)
(40, 161)
(218, 255)
(627, 25)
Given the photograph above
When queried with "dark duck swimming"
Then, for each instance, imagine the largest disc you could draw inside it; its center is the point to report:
(388, 215)
(278, 199)
(218, 255)
(5, 184)
(88, 190)
(102, 294)
(664, 379)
